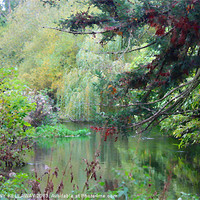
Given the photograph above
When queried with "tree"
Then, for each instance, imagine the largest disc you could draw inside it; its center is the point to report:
(40, 55)
(5, 9)
(157, 89)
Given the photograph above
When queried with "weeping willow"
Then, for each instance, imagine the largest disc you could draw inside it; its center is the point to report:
(62, 64)
(79, 100)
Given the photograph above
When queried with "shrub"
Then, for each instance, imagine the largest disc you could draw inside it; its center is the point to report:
(14, 108)
(59, 130)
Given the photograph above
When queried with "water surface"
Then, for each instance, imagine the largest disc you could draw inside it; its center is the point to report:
(151, 154)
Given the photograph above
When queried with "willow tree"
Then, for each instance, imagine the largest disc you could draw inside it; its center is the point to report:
(159, 88)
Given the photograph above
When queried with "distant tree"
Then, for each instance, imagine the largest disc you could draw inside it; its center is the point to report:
(163, 85)
(11, 4)
(5, 9)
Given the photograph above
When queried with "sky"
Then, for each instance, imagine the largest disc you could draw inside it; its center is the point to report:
(1, 1)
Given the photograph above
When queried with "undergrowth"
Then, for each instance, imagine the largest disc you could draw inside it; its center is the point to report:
(59, 130)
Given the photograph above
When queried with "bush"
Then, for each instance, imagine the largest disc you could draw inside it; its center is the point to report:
(59, 130)
(14, 107)
(44, 111)
(17, 185)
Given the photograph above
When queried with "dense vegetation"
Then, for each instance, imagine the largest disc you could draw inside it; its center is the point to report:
(151, 91)
(121, 64)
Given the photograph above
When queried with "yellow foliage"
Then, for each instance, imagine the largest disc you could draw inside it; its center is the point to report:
(44, 77)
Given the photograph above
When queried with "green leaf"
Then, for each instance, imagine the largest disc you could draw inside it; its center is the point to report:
(102, 183)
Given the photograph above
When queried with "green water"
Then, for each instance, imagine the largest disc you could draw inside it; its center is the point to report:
(156, 155)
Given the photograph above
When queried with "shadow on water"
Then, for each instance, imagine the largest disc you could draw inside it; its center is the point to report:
(156, 154)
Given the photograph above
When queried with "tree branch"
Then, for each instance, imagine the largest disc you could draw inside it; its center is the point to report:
(136, 49)
(179, 99)
(129, 42)
(149, 103)
(129, 51)
(76, 32)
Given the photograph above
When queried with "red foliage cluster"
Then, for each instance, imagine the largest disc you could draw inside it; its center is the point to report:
(97, 129)
(150, 66)
(124, 81)
(151, 13)
(183, 29)
(82, 19)
(110, 28)
(110, 131)
(106, 131)
(164, 74)
(183, 26)
(91, 169)
(185, 71)
(159, 82)
(157, 21)
(160, 31)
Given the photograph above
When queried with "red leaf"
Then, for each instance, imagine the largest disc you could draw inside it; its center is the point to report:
(150, 11)
(174, 37)
(162, 19)
(196, 28)
(160, 31)
(153, 24)
(110, 28)
(185, 71)
(72, 177)
(182, 38)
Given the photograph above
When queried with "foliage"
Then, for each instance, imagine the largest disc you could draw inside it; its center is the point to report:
(59, 130)
(80, 97)
(16, 186)
(15, 106)
(39, 53)
(44, 112)
(86, 79)
(171, 74)
(47, 60)
(134, 183)
(134, 188)
(111, 131)
(185, 124)
(6, 7)
(55, 61)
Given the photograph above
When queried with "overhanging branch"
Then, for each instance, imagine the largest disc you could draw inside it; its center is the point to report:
(136, 49)
(77, 32)
(178, 100)
(149, 103)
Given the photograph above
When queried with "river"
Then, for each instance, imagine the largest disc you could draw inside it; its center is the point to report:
(150, 159)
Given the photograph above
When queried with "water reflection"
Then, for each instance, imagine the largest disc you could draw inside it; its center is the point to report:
(163, 156)
(159, 153)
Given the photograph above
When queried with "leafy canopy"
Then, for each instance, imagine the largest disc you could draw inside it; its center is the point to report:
(159, 88)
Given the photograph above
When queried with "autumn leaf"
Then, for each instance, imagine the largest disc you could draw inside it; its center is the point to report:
(160, 31)
(119, 33)
(114, 91)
